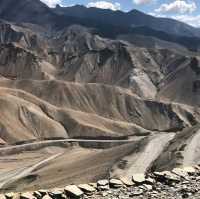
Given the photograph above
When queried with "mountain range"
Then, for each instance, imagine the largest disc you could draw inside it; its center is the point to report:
(78, 93)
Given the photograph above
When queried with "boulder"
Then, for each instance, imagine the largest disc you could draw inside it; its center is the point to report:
(47, 197)
(102, 182)
(42, 192)
(115, 183)
(139, 178)
(16, 196)
(56, 193)
(190, 170)
(167, 176)
(197, 167)
(148, 187)
(93, 185)
(136, 193)
(180, 172)
(149, 180)
(86, 188)
(103, 185)
(37, 194)
(27, 195)
(128, 182)
(73, 191)
(9, 195)
(2, 196)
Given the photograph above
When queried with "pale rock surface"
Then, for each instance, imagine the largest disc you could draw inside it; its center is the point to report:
(74, 191)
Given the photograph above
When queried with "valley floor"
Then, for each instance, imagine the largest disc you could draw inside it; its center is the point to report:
(57, 163)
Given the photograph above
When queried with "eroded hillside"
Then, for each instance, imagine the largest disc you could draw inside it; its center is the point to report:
(71, 99)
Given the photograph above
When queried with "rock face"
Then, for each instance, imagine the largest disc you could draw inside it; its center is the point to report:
(76, 106)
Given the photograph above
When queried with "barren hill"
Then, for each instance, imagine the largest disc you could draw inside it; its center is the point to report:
(76, 106)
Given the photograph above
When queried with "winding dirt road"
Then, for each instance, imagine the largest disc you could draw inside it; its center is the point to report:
(37, 144)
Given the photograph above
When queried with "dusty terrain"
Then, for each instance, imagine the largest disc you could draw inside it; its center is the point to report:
(77, 106)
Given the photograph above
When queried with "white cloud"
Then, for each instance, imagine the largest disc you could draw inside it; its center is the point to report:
(157, 15)
(138, 2)
(51, 3)
(192, 20)
(105, 5)
(178, 6)
(188, 19)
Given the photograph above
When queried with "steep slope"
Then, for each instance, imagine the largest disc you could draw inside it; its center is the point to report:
(78, 55)
(182, 150)
(183, 84)
(89, 58)
(17, 62)
(120, 114)
(21, 35)
(22, 120)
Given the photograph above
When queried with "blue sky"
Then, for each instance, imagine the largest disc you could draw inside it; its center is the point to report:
(187, 11)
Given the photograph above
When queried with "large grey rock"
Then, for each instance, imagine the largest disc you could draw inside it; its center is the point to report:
(2, 196)
(73, 191)
(27, 195)
(47, 197)
(103, 185)
(16, 196)
(10, 195)
(56, 193)
(190, 170)
(102, 182)
(148, 187)
(128, 182)
(86, 188)
(136, 193)
(37, 194)
(139, 178)
(93, 185)
(116, 183)
(168, 176)
(149, 180)
(180, 172)
(42, 192)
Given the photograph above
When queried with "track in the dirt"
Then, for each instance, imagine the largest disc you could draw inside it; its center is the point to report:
(52, 142)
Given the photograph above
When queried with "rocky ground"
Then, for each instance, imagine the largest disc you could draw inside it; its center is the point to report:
(178, 183)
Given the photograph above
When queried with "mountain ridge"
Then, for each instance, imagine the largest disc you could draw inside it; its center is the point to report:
(99, 97)
(130, 18)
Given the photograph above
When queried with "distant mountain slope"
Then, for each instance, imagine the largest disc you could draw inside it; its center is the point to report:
(33, 11)
(183, 85)
(191, 43)
(38, 13)
(77, 55)
(133, 18)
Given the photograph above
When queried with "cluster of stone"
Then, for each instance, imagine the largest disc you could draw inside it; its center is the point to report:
(178, 183)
